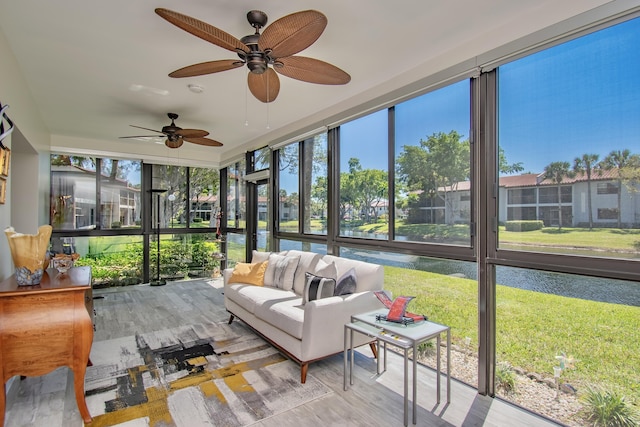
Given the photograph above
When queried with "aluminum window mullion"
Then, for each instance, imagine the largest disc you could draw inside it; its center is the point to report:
(484, 110)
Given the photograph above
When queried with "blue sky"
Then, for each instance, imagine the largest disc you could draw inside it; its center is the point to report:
(555, 105)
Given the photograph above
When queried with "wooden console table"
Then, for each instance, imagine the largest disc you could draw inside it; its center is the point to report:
(46, 326)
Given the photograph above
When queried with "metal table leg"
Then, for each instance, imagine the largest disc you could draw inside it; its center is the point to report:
(449, 365)
(415, 382)
(351, 355)
(438, 368)
(406, 386)
(346, 349)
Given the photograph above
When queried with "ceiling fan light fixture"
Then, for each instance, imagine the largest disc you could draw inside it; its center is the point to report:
(257, 63)
(174, 143)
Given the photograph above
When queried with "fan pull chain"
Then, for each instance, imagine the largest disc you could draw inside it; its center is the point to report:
(268, 126)
(246, 104)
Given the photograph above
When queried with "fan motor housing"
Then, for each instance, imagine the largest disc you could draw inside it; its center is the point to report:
(256, 62)
(170, 129)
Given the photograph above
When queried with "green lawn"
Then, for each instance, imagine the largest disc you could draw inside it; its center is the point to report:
(533, 327)
(613, 239)
(600, 238)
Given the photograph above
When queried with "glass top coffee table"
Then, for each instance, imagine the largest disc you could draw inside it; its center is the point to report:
(404, 337)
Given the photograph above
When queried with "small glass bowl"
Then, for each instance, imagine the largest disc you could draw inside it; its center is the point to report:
(62, 264)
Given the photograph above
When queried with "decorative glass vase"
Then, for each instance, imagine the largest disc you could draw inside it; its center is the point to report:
(29, 252)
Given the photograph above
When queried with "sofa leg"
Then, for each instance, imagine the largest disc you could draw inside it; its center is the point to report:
(303, 372)
(231, 316)
(374, 350)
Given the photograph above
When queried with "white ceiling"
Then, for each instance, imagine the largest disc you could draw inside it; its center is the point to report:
(96, 67)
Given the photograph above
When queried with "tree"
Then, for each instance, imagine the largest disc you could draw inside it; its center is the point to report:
(314, 163)
(203, 182)
(436, 167)
(361, 190)
(587, 164)
(78, 161)
(319, 196)
(556, 172)
(618, 160)
(505, 168)
(630, 174)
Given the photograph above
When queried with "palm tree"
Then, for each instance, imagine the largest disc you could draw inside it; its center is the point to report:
(556, 172)
(587, 164)
(617, 159)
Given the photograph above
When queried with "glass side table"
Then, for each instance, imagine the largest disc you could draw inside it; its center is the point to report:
(405, 337)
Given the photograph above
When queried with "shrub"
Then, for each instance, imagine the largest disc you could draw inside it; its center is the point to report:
(197, 219)
(608, 408)
(523, 225)
(505, 376)
(116, 224)
(426, 348)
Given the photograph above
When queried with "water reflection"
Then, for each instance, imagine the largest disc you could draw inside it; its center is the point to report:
(568, 285)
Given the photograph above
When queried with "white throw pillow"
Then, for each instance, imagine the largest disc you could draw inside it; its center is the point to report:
(259, 256)
(281, 271)
(325, 269)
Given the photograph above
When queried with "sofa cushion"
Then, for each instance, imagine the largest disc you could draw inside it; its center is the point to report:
(317, 287)
(249, 297)
(285, 313)
(280, 271)
(252, 274)
(347, 283)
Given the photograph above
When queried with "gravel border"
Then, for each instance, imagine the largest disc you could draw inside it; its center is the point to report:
(532, 391)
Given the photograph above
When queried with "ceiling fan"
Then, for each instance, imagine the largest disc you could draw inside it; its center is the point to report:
(176, 135)
(274, 49)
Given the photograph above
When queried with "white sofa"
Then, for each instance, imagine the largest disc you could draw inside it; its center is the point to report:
(315, 330)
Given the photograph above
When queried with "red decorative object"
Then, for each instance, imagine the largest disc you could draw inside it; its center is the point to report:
(397, 309)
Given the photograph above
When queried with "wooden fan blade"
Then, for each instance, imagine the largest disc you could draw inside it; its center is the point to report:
(192, 133)
(141, 136)
(292, 33)
(312, 71)
(174, 144)
(266, 86)
(206, 68)
(204, 141)
(203, 30)
(152, 130)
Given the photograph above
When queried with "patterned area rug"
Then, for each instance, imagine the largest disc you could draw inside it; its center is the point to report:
(210, 374)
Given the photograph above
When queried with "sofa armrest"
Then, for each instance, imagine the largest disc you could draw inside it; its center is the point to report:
(324, 320)
(226, 274)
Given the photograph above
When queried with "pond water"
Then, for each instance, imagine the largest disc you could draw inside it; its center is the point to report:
(568, 285)
(589, 288)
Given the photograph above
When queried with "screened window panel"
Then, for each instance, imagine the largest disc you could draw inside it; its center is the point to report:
(364, 200)
(316, 185)
(120, 202)
(289, 188)
(568, 118)
(203, 197)
(169, 186)
(73, 192)
(433, 166)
